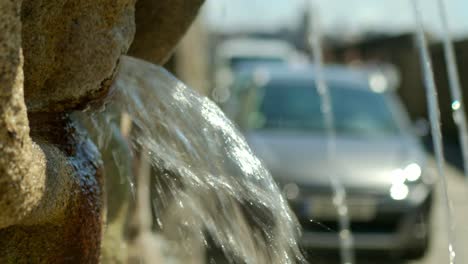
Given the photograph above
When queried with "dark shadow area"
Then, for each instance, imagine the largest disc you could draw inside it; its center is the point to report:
(323, 257)
(452, 150)
(333, 257)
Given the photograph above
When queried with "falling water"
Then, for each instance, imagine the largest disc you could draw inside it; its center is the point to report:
(458, 107)
(434, 116)
(339, 199)
(206, 185)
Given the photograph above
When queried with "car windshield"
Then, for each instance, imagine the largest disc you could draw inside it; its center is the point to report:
(295, 105)
(237, 62)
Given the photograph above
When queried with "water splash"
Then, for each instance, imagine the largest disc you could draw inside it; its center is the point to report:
(458, 107)
(434, 116)
(206, 184)
(339, 199)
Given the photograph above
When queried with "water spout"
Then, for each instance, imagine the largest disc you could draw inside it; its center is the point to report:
(458, 106)
(434, 116)
(339, 196)
(206, 184)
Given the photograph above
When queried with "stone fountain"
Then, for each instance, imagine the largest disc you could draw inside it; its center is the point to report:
(57, 57)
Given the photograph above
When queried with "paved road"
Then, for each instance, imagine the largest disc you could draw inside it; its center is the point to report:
(438, 253)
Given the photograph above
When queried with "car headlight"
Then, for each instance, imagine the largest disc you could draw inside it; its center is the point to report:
(412, 172)
(401, 178)
(399, 191)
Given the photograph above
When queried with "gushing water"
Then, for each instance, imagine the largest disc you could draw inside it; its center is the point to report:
(434, 115)
(206, 185)
(339, 197)
(458, 107)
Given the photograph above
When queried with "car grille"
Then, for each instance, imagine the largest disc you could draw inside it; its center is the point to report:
(356, 227)
(382, 223)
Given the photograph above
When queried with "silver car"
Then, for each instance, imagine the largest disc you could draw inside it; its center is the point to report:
(379, 159)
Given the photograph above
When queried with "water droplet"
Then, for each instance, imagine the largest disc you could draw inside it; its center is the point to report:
(456, 105)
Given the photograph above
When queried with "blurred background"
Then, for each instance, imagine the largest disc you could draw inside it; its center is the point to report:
(255, 59)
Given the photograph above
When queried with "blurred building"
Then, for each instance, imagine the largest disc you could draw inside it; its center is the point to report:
(194, 60)
(402, 51)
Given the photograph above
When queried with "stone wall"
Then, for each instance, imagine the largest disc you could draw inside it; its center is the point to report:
(56, 57)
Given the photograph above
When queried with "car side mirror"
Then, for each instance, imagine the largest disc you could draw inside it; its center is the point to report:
(421, 127)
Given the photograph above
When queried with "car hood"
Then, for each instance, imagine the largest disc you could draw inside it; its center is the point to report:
(359, 163)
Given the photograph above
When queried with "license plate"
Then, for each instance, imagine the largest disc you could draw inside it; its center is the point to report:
(359, 208)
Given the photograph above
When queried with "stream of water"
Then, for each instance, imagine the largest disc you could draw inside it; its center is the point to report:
(206, 185)
(458, 106)
(339, 196)
(434, 115)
